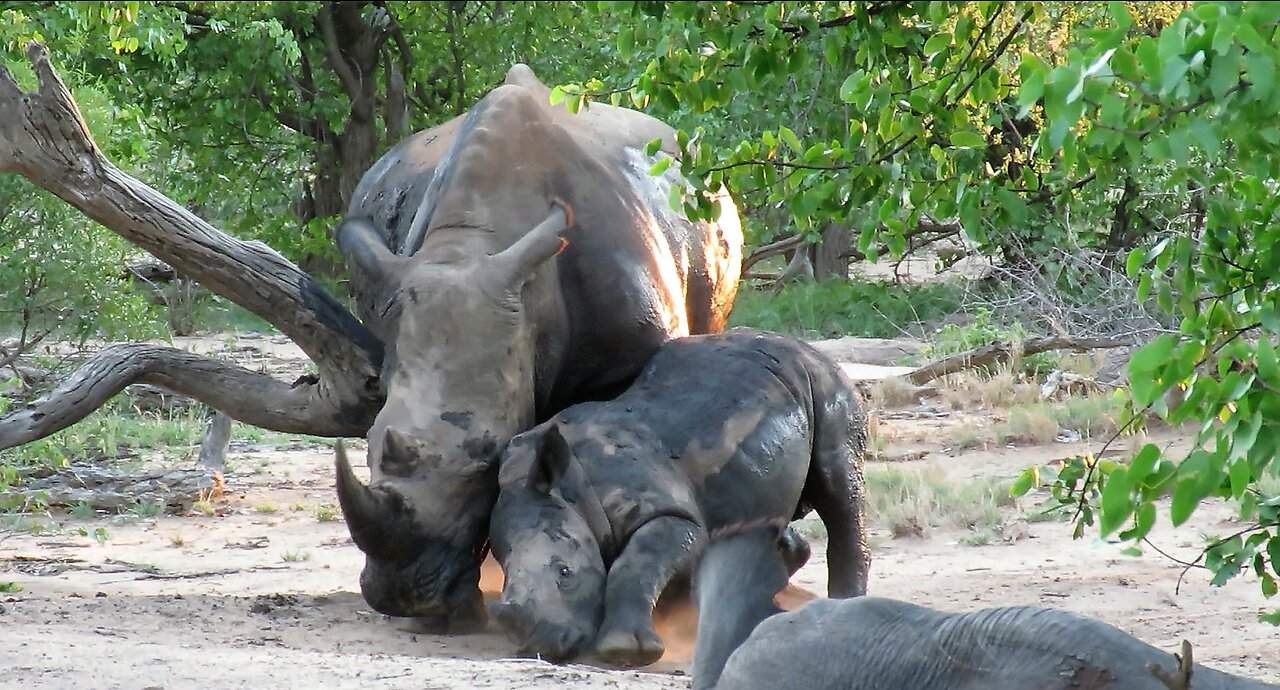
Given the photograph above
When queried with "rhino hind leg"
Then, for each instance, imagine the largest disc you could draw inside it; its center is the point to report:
(835, 489)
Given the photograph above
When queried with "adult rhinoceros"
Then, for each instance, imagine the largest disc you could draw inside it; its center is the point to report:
(513, 261)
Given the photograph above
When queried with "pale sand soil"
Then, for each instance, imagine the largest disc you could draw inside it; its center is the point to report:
(225, 609)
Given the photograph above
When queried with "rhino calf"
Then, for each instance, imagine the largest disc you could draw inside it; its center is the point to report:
(746, 643)
(603, 504)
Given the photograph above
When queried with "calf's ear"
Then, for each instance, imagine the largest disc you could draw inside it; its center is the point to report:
(552, 463)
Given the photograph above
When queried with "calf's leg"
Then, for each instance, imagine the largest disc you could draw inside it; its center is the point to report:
(835, 489)
(656, 552)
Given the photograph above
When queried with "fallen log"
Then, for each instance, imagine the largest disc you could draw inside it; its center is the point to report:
(1003, 350)
(177, 489)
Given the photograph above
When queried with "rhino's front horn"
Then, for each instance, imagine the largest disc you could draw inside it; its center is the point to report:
(377, 521)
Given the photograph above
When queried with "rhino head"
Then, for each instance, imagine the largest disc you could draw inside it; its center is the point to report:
(458, 377)
(546, 532)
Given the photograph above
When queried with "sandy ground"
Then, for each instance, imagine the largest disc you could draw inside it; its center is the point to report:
(264, 593)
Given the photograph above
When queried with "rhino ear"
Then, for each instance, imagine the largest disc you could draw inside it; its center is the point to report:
(359, 243)
(552, 463)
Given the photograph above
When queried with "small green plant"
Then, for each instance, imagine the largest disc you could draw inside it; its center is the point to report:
(10, 587)
(146, 510)
(99, 534)
(327, 512)
(296, 556)
(83, 511)
(177, 540)
(267, 508)
(979, 537)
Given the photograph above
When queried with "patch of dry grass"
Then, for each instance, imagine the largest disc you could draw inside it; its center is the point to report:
(972, 390)
(914, 500)
(893, 392)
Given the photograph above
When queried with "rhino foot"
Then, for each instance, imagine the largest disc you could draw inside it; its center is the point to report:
(638, 646)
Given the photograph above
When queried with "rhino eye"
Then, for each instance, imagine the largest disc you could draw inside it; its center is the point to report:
(566, 576)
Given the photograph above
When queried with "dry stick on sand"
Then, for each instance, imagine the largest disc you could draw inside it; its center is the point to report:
(1003, 350)
(1180, 678)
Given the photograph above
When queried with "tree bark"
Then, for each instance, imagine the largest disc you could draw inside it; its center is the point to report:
(830, 256)
(243, 395)
(43, 138)
(1001, 351)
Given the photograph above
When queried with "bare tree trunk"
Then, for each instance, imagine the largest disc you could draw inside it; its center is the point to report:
(830, 257)
(44, 138)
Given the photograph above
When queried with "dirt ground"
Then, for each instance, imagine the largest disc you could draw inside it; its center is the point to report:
(264, 593)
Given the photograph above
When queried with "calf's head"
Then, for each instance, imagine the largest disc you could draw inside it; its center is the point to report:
(458, 380)
(542, 533)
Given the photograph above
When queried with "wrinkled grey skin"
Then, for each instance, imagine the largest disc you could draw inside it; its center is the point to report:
(512, 261)
(869, 643)
(601, 506)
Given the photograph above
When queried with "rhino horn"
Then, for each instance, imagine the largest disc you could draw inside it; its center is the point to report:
(516, 263)
(372, 516)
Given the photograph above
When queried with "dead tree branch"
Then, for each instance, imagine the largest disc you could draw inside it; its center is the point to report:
(244, 395)
(1001, 351)
(44, 138)
(1180, 678)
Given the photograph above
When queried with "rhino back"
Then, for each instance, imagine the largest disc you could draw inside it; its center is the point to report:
(731, 422)
(869, 642)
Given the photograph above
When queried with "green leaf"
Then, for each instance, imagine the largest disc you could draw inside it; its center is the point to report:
(626, 41)
(1185, 500)
(660, 166)
(848, 89)
(1239, 474)
(937, 43)
(1273, 553)
(1137, 257)
(789, 138)
(653, 147)
(1175, 71)
(1261, 71)
(968, 140)
(1224, 35)
(1268, 366)
(1224, 74)
(1144, 462)
(1144, 520)
(1117, 504)
(1029, 478)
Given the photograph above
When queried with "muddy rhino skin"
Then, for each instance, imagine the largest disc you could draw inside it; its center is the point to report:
(746, 643)
(602, 505)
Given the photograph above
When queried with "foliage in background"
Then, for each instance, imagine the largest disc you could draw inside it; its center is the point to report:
(834, 308)
(1143, 131)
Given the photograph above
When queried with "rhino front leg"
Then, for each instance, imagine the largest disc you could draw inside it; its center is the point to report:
(655, 553)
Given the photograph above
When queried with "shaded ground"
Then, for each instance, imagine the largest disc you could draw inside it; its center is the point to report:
(263, 593)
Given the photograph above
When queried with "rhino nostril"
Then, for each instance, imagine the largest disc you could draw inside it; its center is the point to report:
(571, 641)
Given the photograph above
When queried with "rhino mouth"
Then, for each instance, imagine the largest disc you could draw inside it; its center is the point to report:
(438, 602)
(545, 639)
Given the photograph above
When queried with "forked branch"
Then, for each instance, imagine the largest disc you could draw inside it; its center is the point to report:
(44, 138)
(248, 396)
